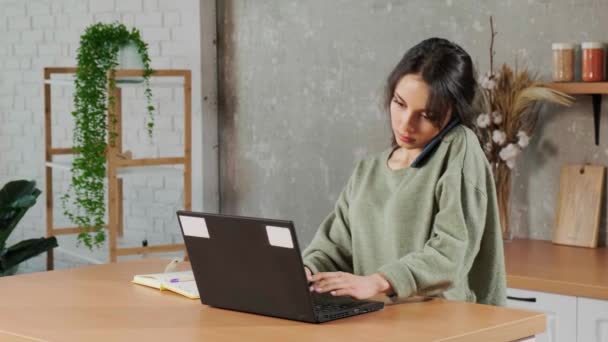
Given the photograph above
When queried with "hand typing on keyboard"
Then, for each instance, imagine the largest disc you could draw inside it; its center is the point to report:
(308, 274)
(347, 284)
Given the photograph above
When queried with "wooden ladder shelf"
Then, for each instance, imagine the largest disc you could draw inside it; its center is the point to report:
(118, 162)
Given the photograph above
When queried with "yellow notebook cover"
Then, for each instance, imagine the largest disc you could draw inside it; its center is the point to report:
(179, 282)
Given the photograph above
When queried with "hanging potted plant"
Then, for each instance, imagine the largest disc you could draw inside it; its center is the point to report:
(98, 55)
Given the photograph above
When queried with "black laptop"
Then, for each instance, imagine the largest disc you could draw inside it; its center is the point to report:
(254, 265)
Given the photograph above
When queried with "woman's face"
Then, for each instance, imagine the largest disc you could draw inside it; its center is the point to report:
(411, 126)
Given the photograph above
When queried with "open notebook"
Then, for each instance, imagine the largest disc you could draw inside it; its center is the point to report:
(178, 282)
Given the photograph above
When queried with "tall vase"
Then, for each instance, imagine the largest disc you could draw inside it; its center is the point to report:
(503, 191)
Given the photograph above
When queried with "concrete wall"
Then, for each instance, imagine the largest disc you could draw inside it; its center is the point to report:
(300, 85)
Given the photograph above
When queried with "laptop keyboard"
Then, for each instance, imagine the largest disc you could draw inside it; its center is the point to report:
(332, 307)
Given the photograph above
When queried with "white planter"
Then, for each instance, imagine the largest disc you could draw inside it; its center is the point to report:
(128, 58)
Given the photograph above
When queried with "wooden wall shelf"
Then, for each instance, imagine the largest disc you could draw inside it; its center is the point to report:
(580, 88)
(595, 89)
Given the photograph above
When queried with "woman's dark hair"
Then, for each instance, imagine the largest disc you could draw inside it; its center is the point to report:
(449, 72)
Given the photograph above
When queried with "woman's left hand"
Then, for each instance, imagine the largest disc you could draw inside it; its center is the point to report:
(347, 284)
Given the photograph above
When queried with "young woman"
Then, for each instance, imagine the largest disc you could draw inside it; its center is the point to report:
(420, 218)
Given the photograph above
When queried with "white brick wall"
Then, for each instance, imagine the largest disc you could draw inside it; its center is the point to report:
(39, 33)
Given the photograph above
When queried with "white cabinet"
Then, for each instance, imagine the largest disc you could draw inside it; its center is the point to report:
(592, 320)
(561, 312)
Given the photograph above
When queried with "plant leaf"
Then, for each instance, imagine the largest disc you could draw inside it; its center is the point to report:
(529, 96)
(24, 250)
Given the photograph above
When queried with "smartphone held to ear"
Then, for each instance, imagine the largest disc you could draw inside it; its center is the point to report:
(432, 145)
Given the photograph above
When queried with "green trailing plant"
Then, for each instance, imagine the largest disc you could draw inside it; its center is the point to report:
(16, 198)
(84, 202)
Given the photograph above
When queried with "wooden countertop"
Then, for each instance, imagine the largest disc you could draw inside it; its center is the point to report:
(99, 303)
(544, 266)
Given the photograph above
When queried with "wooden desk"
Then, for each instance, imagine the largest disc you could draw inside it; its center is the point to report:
(543, 266)
(98, 303)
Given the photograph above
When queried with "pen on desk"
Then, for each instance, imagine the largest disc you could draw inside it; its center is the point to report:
(177, 280)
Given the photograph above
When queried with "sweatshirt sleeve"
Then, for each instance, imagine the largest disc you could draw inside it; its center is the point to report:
(452, 245)
(331, 248)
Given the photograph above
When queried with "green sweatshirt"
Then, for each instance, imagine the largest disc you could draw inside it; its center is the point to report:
(431, 231)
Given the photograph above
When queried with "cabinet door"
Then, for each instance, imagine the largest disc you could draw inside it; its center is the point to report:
(592, 320)
(560, 311)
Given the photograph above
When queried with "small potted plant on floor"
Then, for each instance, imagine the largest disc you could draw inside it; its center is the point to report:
(15, 199)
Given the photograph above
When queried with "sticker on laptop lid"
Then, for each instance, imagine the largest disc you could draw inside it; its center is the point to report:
(279, 236)
(194, 226)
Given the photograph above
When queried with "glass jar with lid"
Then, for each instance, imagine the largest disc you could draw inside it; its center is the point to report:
(593, 61)
(563, 62)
